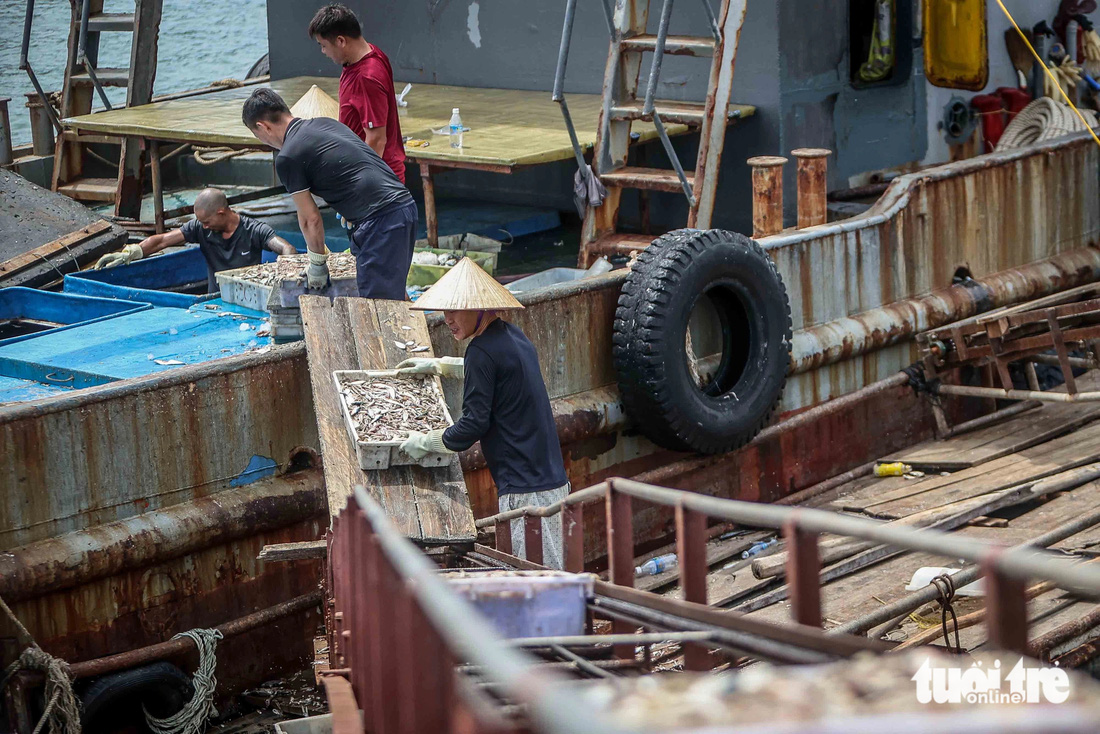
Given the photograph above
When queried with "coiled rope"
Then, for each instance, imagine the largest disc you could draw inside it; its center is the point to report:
(192, 718)
(62, 712)
(1043, 120)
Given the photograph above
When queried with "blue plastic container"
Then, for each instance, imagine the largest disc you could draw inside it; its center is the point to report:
(65, 309)
(150, 280)
(527, 603)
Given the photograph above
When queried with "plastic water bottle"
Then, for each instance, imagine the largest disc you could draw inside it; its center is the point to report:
(456, 129)
(757, 547)
(654, 566)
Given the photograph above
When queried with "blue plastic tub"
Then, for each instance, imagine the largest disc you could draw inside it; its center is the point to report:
(527, 603)
(64, 309)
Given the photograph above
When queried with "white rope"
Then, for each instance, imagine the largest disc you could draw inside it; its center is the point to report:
(1042, 120)
(192, 718)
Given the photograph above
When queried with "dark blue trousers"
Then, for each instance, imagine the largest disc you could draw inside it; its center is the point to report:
(383, 249)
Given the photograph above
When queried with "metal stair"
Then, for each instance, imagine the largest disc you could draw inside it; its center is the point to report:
(622, 105)
(84, 80)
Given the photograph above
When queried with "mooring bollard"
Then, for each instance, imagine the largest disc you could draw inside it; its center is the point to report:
(767, 194)
(813, 165)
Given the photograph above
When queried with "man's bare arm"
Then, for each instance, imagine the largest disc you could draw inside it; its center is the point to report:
(309, 220)
(375, 138)
(158, 242)
(280, 246)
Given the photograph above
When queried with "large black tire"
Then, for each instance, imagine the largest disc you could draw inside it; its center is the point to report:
(114, 702)
(754, 321)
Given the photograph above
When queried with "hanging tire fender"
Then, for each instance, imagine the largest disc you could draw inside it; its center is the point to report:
(725, 287)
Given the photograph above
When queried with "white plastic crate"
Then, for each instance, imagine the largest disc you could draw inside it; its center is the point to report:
(374, 455)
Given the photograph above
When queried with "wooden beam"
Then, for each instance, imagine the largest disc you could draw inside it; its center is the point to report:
(303, 551)
(38, 254)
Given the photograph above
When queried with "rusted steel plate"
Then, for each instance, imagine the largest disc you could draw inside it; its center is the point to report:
(107, 453)
(80, 557)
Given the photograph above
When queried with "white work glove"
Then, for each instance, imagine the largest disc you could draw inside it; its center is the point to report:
(424, 366)
(418, 445)
(125, 256)
(317, 270)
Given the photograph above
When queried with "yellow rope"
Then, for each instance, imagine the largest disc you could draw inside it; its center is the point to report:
(1048, 72)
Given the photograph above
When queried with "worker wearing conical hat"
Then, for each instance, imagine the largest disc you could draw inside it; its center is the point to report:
(504, 400)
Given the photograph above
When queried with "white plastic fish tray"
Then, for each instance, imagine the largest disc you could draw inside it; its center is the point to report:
(376, 455)
(243, 292)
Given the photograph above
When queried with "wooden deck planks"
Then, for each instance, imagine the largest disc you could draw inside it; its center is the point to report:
(996, 441)
(427, 505)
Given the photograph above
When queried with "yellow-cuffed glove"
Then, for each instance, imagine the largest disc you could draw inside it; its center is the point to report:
(317, 270)
(418, 445)
(423, 366)
(125, 256)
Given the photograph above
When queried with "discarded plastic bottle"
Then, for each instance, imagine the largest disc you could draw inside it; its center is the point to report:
(896, 469)
(456, 129)
(654, 566)
(758, 546)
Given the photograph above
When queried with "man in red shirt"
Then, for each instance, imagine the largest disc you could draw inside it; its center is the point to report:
(367, 102)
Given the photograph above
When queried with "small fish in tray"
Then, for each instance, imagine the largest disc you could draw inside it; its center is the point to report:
(388, 408)
(293, 268)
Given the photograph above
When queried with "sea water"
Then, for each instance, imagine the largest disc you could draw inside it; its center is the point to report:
(201, 41)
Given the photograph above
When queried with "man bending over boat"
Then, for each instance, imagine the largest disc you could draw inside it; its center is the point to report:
(504, 401)
(323, 156)
(226, 239)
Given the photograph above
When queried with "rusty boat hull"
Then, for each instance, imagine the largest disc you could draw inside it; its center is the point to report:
(114, 527)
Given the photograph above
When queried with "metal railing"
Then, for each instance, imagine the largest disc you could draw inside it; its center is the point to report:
(399, 630)
(24, 65)
(1005, 569)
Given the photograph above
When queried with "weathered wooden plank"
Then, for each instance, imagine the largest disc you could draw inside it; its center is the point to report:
(994, 442)
(1074, 449)
(30, 257)
(328, 348)
(301, 551)
(436, 498)
(1068, 452)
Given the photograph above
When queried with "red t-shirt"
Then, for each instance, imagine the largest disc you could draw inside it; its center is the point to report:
(367, 101)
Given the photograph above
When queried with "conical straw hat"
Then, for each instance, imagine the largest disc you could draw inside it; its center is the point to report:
(315, 103)
(466, 287)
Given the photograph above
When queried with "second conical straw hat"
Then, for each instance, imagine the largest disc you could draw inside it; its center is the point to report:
(466, 287)
(315, 103)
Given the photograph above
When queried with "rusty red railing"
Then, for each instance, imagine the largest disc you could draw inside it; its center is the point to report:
(1005, 569)
(398, 632)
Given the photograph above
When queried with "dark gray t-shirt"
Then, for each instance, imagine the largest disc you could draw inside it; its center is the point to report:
(325, 157)
(244, 248)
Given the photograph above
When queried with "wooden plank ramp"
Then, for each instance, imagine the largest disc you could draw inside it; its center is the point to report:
(430, 506)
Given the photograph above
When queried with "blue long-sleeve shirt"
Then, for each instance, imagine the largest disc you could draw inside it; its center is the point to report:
(505, 406)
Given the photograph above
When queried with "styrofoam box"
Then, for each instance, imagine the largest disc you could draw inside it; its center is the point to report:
(527, 603)
(384, 454)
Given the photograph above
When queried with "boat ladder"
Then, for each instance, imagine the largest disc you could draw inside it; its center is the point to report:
(622, 105)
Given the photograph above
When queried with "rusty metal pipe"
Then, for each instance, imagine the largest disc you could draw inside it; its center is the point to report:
(767, 194)
(1079, 656)
(841, 339)
(813, 168)
(1042, 646)
(82, 556)
(1000, 394)
(171, 648)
